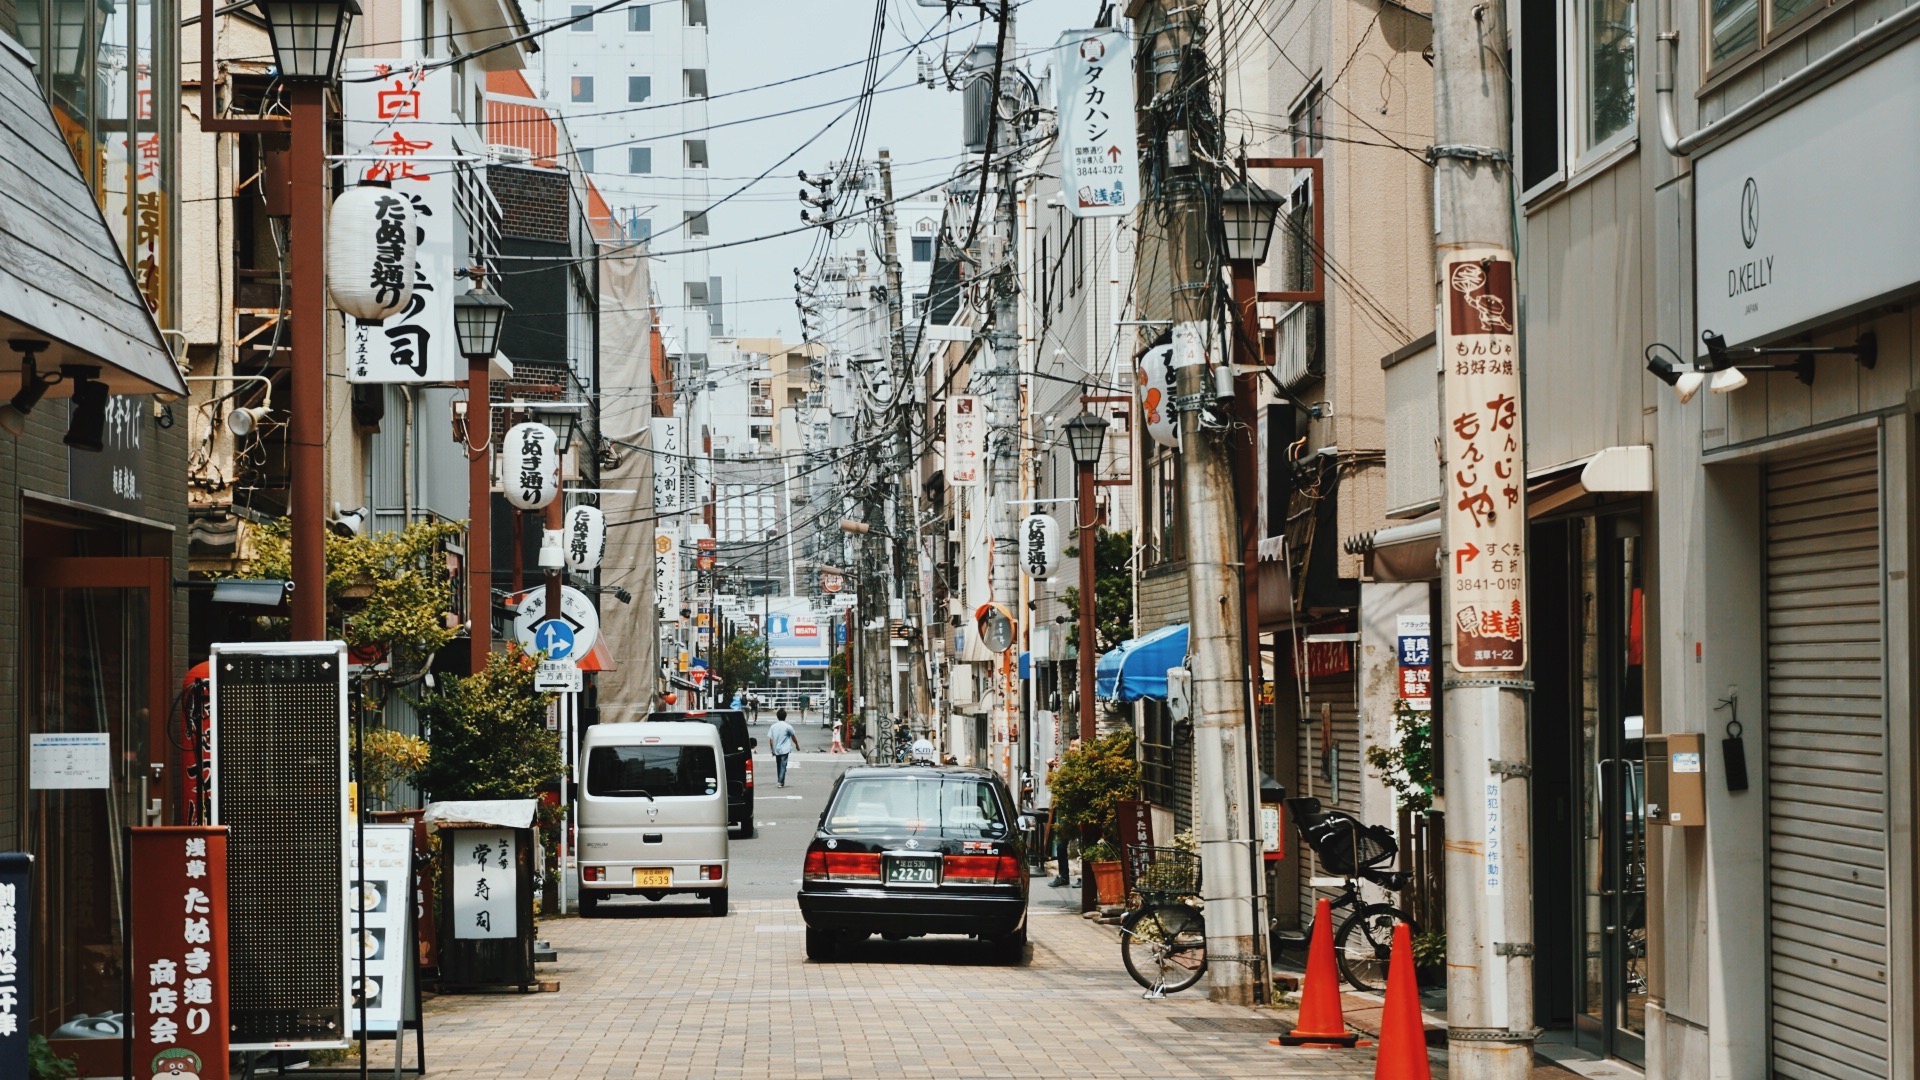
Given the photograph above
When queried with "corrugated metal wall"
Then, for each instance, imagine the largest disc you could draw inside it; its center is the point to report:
(1336, 692)
(1826, 767)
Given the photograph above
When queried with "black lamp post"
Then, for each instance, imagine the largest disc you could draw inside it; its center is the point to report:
(308, 36)
(1086, 441)
(477, 318)
(1247, 213)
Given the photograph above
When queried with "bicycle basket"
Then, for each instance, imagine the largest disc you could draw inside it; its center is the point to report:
(1346, 847)
(1165, 873)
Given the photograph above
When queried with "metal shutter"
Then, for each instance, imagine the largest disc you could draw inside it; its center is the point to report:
(1336, 691)
(1826, 767)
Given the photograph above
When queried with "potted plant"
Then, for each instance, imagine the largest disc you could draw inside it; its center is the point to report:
(1089, 785)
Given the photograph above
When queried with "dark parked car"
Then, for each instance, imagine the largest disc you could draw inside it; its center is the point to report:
(732, 724)
(907, 850)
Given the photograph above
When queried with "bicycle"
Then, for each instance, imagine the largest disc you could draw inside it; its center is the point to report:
(1164, 940)
(1363, 941)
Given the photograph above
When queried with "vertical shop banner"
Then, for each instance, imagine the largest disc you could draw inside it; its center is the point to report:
(483, 883)
(1486, 475)
(16, 967)
(966, 439)
(1099, 155)
(1415, 658)
(666, 573)
(669, 450)
(398, 129)
(178, 942)
(377, 911)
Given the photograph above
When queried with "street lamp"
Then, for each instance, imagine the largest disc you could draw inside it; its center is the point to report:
(477, 318)
(308, 36)
(1247, 211)
(1086, 441)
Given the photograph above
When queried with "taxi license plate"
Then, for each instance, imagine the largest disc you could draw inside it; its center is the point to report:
(653, 877)
(913, 871)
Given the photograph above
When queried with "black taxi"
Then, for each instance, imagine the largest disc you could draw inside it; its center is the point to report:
(909, 850)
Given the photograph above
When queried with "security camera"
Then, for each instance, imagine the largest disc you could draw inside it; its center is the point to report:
(348, 523)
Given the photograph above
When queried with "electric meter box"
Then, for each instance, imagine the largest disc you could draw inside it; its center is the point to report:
(1676, 780)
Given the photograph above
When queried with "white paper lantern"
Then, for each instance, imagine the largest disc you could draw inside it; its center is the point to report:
(1039, 545)
(586, 529)
(371, 244)
(1154, 389)
(530, 466)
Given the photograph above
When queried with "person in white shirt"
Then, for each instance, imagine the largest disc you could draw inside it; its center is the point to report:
(782, 741)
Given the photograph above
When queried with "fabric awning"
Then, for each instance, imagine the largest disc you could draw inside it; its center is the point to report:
(1138, 668)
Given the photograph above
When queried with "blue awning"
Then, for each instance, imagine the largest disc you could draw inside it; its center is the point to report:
(1138, 668)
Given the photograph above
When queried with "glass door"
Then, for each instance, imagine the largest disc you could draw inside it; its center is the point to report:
(1613, 924)
(95, 670)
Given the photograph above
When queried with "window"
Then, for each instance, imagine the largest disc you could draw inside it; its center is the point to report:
(582, 88)
(584, 158)
(1156, 753)
(923, 250)
(761, 433)
(584, 13)
(639, 159)
(1306, 124)
(640, 18)
(639, 87)
(651, 772)
(696, 153)
(1540, 107)
(926, 806)
(695, 80)
(1606, 60)
(696, 11)
(639, 228)
(429, 32)
(696, 294)
(696, 223)
(1738, 27)
(919, 306)
(1164, 536)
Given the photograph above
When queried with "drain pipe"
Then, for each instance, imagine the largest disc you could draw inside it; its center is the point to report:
(1803, 80)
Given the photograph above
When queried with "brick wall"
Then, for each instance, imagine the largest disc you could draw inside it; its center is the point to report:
(534, 203)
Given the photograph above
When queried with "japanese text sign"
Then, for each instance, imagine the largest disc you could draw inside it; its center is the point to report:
(1099, 156)
(178, 937)
(966, 439)
(16, 970)
(389, 124)
(1486, 482)
(484, 882)
(1414, 654)
(377, 910)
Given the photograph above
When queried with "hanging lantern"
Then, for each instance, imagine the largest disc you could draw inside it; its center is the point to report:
(1154, 388)
(1039, 545)
(530, 466)
(586, 529)
(370, 252)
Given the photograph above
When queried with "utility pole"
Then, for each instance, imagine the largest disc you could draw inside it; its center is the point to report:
(1215, 647)
(1490, 1022)
(906, 525)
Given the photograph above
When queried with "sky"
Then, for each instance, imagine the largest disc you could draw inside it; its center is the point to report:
(751, 42)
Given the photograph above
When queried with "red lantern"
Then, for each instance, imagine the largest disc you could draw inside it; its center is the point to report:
(671, 698)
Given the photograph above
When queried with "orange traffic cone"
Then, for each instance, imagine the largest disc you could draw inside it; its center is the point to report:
(1403, 1034)
(1320, 1021)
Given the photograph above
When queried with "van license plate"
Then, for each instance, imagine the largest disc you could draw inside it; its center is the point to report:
(653, 877)
(910, 871)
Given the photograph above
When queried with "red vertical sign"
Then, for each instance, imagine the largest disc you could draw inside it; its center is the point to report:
(178, 977)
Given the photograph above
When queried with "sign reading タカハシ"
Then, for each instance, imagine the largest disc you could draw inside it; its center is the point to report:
(394, 118)
(178, 948)
(1099, 155)
(1485, 489)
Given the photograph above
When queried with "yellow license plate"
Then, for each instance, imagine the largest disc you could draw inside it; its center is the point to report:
(652, 877)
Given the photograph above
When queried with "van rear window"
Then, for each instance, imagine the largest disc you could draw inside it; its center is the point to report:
(636, 772)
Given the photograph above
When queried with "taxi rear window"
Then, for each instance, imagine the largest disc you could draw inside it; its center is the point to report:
(917, 806)
(637, 772)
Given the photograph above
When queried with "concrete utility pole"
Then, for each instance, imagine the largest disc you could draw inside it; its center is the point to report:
(906, 524)
(1490, 1025)
(1236, 967)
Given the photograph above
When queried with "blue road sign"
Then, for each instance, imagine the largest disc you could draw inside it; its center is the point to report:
(555, 638)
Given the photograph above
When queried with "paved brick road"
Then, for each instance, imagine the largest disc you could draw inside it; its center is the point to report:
(662, 990)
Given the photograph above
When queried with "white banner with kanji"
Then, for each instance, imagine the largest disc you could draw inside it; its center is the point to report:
(1099, 155)
(1486, 481)
(398, 127)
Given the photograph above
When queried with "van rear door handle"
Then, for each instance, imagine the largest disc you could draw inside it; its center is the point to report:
(651, 838)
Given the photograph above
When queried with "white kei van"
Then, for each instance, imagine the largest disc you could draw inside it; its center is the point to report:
(653, 813)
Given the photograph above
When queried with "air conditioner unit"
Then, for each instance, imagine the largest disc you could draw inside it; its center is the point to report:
(513, 155)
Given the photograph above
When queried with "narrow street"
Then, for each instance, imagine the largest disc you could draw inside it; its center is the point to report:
(662, 990)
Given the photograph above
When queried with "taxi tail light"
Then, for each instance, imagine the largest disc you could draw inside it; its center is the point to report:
(591, 873)
(981, 870)
(841, 866)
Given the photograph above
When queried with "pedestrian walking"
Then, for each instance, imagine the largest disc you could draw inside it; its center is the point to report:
(837, 748)
(781, 740)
